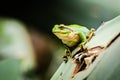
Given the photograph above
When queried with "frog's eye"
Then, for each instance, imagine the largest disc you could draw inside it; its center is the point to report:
(61, 27)
(64, 27)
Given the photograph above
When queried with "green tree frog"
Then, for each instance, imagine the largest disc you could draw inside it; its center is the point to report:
(73, 35)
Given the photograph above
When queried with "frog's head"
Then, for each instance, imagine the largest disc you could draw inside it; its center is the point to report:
(61, 29)
(66, 34)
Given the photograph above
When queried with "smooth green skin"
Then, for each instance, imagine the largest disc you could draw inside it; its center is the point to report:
(74, 28)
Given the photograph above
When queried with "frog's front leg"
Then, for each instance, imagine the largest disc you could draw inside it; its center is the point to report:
(67, 55)
(65, 58)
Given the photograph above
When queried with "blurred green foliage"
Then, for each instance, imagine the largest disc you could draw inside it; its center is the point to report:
(10, 69)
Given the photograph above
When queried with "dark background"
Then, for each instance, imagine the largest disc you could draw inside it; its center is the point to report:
(36, 13)
(43, 14)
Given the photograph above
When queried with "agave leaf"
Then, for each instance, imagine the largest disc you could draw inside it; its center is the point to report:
(107, 37)
(64, 72)
(109, 66)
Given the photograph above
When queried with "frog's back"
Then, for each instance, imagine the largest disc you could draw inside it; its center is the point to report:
(79, 28)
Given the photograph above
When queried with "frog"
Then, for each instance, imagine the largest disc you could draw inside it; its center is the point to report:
(73, 35)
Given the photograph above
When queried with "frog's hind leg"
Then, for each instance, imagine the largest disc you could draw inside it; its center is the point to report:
(83, 41)
(89, 36)
(92, 33)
